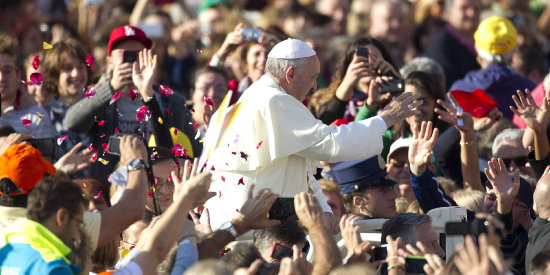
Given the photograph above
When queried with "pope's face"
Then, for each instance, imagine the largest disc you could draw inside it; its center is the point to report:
(305, 80)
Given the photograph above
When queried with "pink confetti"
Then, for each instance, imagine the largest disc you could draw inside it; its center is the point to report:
(212, 169)
(175, 131)
(223, 179)
(195, 126)
(133, 94)
(118, 112)
(36, 78)
(154, 155)
(241, 182)
(115, 97)
(170, 178)
(91, 147)
(236, 140)
(165, 90)
(199, 51)
(192, 110)
(259, 145)
(208, 101)
(105, 147)
(94, 156)
(61, 139)
(90, 60)
(100, 122)
(35, 62)
(220, 194)
(89, 93)
(116, 130)
(141, 113)
(98, 195)
(168, 111)
(244, 156)
(26, 122)
(179, 151)
(103, 135)
(150, 193)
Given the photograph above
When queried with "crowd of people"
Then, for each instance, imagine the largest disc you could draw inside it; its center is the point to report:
(274, 137)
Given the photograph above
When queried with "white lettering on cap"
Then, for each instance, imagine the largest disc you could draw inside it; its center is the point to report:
(129, 31)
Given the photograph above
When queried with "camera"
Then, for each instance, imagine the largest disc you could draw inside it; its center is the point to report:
(46, 146)
(114, 144)
(129, 57)
(251, 34)
(380, 253)
(362, 52)
(395, 86)
(283, 210)
(474, 227)
(280, 251)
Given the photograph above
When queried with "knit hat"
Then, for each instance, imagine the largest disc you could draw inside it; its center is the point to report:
(25, 167)
(125, 33)
(495, 36)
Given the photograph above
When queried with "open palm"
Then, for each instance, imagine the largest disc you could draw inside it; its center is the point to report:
(534, 117)
(421, 147)
(503, 186)
(143, 73)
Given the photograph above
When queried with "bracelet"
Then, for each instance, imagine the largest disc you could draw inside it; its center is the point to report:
(465, 143)
(396, 266)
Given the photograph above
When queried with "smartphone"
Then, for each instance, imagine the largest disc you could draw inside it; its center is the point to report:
(251, 34)
(473, 227)
(380, 253)
(280, 251)
(283, 210)
(152, 30)
(269, 268)
(114, 144)
(415, 265)
(362, 52)
(395, 86)
(46, 146)
(129, 57)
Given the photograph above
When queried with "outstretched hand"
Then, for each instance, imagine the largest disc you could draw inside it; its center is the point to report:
(253, 213)
(400, 108)
(74, 160)
(420, 150)
(505, 189)
(536, 118)
(144, 71)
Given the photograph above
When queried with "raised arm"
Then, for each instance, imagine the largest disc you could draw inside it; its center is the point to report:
(536, 119)
(310, 214)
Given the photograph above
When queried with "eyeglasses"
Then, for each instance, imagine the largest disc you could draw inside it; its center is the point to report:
(519, 161)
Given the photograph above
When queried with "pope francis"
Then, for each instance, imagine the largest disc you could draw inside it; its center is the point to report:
(270, 139)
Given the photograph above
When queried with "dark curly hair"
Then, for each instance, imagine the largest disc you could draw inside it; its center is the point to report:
(54, 59)
(53, 193)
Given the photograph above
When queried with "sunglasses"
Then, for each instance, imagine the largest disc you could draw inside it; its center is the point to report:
(519, 161)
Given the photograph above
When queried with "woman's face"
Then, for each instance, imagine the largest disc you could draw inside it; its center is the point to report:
(363, 83)
(72, 77)
(426, 109)
(39, 92)
(255, 61)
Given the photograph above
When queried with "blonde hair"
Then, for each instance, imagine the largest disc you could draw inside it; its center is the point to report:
(471, 199)
(404, 206)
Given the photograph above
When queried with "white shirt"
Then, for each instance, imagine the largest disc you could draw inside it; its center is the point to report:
(292, 144)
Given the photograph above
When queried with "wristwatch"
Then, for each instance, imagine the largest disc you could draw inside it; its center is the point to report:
(229, 227)
(136, 164)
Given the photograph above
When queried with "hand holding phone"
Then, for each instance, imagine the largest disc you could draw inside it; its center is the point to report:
(251, 34)
(129, 57)
(280, 251)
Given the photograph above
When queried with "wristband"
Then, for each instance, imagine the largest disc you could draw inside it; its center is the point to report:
(396, 266)
(465, 143)
(394, 258)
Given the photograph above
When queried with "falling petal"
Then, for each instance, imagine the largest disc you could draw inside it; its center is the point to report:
(115, 97)
(89, 93)
(212, 169)
(223, 179)
(154, 155)
(179, 151)
(94, 156)
(90, 60)
(133, 94)
(220, 194)
(46, 45)
(105, 147)
(40, 115)
(208, 101)
(201, 140)
(259, 145)
(103, 161)
(160, 120)
(118, 112)
(95, 118)
(103, 135)
(61, 139)
(36, 78)
(170, 178)
(150, 193)
(152, 61)
(35, 62)
(175, 131)
(199, 51)
(236, 140)
(168, 111)
(244, 156)
(192, 110)
(26, 122)
(116, 130)
(195, 126)
(100, 122)
(91, 147)
(165, 90)
(241, 182)
(98, 195)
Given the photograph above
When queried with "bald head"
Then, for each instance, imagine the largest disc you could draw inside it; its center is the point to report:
(542, 203)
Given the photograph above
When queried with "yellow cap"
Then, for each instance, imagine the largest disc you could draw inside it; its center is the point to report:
(496, 35)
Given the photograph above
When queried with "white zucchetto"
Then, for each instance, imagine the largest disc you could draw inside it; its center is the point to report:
(291, 49)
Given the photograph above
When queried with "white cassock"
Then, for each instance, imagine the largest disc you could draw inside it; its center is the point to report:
(272, 140)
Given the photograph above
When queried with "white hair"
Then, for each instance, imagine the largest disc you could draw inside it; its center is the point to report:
(508, 135)
(488, 58)
(424, 64)
(278, 66)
